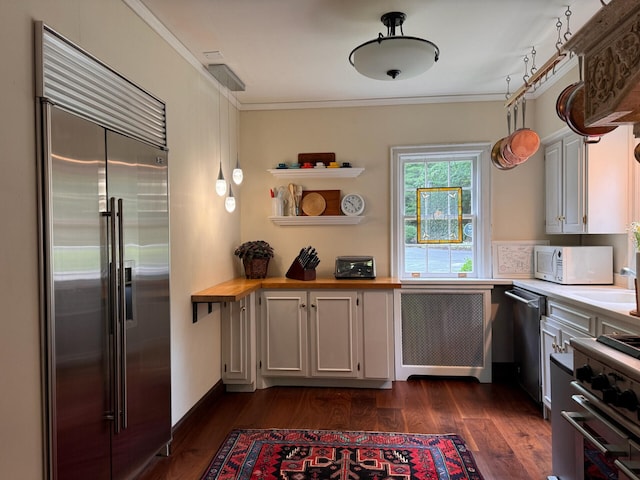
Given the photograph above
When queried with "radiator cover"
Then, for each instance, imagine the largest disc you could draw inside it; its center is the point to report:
(444, 332)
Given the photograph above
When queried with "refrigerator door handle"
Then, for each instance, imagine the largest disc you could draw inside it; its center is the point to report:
(122, 320)
(115, 323)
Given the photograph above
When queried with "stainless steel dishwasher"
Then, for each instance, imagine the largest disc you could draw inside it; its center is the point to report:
(527, 311)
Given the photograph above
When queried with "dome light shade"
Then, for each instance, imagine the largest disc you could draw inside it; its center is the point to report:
(394, 57)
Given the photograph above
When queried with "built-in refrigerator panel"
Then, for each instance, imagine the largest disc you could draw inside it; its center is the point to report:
(137, 175)
(78, 311)
(106, 254)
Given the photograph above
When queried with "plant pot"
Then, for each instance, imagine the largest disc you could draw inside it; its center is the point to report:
(255, 267)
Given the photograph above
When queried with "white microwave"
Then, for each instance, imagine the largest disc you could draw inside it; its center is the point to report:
(573, 265)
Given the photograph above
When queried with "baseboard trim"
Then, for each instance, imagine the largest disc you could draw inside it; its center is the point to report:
(200, 409)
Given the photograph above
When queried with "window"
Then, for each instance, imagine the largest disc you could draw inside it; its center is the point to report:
(431, 186)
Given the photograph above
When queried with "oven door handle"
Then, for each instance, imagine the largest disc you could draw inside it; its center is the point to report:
(630, 469)
(574, 418)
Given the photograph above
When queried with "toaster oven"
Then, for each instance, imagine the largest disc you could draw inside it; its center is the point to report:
(355, 267)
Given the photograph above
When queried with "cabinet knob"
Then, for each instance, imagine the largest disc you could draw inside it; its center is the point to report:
(313, 305)
(302, 305)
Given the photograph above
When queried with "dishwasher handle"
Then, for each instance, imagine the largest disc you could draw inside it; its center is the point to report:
(530, 302)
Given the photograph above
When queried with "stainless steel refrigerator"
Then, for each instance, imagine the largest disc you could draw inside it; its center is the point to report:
(106, 283)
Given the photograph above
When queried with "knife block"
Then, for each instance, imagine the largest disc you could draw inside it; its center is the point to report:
(297, 272)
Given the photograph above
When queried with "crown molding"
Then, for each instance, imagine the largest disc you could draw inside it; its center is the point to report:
(147, 16)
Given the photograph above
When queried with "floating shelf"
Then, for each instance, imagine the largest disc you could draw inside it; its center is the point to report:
(317, 220)
(315, 172)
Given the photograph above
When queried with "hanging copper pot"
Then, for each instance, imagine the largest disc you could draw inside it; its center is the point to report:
(522, 143)
(561, 102)
(575, 117)
(496, 157)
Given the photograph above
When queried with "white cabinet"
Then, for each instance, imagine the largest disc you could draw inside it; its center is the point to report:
(377, 334)
(608, 326)
(238, 331)
(326, 334)
(283, 333)
(561, 323)
(586, 185)
(555, 337)
(334, 334)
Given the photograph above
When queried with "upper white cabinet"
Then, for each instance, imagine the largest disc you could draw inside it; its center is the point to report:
(587, 189)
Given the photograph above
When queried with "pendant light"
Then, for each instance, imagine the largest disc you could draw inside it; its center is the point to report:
(221, 183)
(237, 175)
(394, 57)
(230, 201)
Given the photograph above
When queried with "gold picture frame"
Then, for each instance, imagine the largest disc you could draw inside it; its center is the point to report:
(439, 214)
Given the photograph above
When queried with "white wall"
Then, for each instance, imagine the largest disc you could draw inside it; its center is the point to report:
(364, 136)
(203, 235)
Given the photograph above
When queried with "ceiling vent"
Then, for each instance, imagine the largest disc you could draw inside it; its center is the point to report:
(226, 77)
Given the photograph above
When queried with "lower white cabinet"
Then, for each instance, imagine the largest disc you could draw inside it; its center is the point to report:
(555, 337)
(238, 332)
(326, 334)
(562, 322)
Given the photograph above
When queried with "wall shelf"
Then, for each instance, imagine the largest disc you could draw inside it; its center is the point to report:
(315, 172)
(317, 220)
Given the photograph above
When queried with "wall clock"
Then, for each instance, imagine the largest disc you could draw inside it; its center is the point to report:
(352, 204)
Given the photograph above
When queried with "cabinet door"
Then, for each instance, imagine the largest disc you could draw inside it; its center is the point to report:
(238, 341)
(550, 341)
(284, 333)
(573, 181)
(566, 334)
(608, 164)
(333, 336)
(377, 334)
(553, 187)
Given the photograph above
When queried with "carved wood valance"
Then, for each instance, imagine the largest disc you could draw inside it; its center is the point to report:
(610, 46)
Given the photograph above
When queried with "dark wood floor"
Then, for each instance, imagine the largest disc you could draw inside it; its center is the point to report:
(503, 428)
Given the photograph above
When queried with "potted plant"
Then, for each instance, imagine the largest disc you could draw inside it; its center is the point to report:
(255, 256)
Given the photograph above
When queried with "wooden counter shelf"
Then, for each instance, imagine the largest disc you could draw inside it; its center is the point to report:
(238, 288)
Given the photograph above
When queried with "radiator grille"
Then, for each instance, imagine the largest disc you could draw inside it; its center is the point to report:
(72, 79)
(443, 329)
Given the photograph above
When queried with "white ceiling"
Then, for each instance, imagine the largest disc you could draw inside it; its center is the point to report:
(292, 51)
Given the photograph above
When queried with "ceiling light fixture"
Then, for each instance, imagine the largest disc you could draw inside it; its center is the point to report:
(221, 183)
(230, 201)
(394, 57)
(237, 175)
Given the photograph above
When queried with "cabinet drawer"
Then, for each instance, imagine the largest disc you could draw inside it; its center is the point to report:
(609, 327)
(578, 319)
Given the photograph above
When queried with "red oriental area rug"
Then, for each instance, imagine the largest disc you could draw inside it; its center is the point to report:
(321, 454)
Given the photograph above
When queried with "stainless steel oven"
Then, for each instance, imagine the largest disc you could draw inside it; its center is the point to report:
(606, 407)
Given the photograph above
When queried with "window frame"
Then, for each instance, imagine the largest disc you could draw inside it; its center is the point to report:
(482, 190)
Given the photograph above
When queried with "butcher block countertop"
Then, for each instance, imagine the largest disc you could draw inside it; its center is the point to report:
(238, 288)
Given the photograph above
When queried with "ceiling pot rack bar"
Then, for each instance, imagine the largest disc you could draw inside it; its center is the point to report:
(540, 73)
(550, 65)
